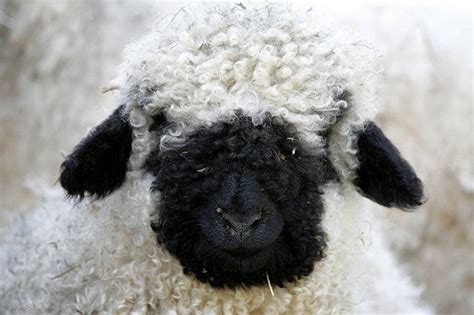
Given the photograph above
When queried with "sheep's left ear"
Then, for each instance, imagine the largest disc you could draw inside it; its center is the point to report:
(98, 164)
(383, 175)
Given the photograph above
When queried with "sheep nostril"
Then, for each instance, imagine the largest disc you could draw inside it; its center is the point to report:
(242, 223)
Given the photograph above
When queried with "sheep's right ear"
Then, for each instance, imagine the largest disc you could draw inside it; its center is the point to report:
(98, 164)
(384, 176)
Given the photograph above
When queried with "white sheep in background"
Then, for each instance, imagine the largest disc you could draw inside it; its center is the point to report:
(276, 85)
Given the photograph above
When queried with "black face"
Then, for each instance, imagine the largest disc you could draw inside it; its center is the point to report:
(240, 201)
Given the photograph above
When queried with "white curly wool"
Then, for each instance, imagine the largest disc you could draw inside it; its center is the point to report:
(202, 64)
(101, 256)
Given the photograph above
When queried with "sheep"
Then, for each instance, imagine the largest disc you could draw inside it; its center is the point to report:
(242, 143)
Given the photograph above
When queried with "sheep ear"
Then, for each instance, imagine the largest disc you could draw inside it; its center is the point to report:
(383, 175)
(98, 164)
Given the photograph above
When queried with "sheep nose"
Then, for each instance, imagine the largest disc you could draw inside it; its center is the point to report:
(241, 223)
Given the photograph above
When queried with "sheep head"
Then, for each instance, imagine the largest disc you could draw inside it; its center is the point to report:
(241, 128)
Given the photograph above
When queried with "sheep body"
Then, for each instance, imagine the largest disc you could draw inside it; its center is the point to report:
(102, 255)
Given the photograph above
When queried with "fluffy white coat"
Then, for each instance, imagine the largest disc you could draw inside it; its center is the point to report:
(100, 256)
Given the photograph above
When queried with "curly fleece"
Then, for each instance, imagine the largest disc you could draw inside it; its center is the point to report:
(102, 255)
(203, 64)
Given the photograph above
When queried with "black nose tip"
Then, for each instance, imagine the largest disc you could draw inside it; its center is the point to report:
(241, 223)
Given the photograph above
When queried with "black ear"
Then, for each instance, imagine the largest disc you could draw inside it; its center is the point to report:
(98, 164)
(383, 175)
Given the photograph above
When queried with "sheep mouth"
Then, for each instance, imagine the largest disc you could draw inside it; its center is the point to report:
(245, 260)
(242, 252)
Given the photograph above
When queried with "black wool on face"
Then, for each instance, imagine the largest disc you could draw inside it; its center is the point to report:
(240, 201)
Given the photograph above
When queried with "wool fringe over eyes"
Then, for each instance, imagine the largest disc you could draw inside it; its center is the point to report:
(202, 64)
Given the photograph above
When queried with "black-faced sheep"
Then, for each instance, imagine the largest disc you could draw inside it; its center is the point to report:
(243, 139)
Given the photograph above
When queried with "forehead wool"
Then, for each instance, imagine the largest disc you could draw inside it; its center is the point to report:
(205, 62)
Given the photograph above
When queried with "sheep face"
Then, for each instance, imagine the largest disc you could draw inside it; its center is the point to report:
(240, 201)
